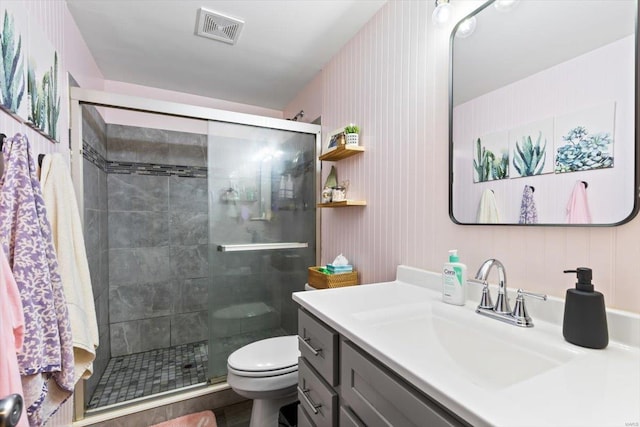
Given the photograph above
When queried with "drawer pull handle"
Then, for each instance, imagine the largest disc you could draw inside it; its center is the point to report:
(305, 341)
(305, 395)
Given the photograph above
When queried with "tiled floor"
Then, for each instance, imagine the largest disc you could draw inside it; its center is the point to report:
(143, 374)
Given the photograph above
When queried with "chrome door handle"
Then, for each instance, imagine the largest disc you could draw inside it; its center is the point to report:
(305, 395)
(306, 343)
(10, 410)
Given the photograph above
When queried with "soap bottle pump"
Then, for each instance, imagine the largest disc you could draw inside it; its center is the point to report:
(585, 319)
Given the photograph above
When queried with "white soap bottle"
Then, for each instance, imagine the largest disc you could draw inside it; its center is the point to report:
(454, 280)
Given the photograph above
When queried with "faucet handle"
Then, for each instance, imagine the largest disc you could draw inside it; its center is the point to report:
(485, 301)
(520, 314)
(530, 294)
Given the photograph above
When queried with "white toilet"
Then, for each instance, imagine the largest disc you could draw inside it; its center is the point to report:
(267, 372)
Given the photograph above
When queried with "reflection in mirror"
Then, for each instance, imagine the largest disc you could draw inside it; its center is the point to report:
(543, 100)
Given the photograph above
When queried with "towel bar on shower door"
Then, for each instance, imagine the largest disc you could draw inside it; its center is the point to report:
(262, 246)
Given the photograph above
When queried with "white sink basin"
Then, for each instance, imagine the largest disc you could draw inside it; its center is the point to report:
(489, 361)
(489, 353)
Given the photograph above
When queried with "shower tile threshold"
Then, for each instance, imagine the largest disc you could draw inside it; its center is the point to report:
(135, 376)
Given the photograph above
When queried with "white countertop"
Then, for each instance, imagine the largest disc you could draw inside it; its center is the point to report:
(486, 371)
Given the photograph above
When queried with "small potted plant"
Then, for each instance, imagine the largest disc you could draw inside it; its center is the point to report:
(351, 133)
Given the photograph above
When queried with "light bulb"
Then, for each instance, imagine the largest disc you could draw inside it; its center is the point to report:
(441, 13)
(504, 5)
(466, 28)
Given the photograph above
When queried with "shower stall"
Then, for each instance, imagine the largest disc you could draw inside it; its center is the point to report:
(199, 224)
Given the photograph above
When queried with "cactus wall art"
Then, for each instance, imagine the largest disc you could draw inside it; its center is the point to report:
(574, 142)
(13, 82)
(43, 84)
(491, 157)
(531, 148)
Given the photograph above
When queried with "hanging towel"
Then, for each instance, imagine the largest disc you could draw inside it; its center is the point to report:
(68, 239)
(46, 359)
(487, 210)
(11, 335)
(528, 210)
(578, 206)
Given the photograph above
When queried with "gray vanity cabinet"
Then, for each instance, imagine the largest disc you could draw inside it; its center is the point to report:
(375, 396)
(341, 385)
(318, 372)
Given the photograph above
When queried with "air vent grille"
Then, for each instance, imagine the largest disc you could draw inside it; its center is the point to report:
(215, 25)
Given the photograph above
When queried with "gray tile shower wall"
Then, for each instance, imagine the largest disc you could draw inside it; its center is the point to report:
(95, 232)
(144, 145)
(158, 237)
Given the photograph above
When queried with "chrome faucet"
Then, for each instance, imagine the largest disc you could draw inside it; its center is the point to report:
(501, 310)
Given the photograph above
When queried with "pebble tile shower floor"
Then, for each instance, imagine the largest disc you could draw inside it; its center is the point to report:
(155, 371)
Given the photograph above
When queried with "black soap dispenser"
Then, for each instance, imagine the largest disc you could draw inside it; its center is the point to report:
(585, 319)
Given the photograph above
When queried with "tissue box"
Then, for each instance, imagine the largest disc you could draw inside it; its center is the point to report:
(320, 280)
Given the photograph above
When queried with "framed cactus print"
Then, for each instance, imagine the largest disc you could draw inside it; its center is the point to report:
(531, 149)
(13, 64)
(44, 85)
(584, 139)
(491, 157)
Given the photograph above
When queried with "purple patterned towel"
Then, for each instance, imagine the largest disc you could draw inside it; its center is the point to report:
(528, 210)
(46, 360)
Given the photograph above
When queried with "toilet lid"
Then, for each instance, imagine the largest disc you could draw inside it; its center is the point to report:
(271, 354)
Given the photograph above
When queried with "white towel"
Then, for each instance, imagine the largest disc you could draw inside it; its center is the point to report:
(487, 210)
(62, 210)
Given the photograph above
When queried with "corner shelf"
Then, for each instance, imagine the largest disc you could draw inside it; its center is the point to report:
(342, 204)
(342, 152)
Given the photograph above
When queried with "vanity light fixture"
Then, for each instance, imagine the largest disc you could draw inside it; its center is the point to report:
(442, 12)
(466, 28)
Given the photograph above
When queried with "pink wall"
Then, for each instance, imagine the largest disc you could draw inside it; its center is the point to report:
(309, 100)
(394, 85)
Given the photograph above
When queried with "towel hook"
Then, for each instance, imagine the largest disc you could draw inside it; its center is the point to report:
(586, 184)
(533, 189)
(2, 137)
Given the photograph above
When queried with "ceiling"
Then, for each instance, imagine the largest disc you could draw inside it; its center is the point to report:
(282, 46)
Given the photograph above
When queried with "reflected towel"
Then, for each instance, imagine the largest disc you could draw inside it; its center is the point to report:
(528, 210)
(11, 335)
(66, 228)
(578, 206)
(46, 359)
(487, 210)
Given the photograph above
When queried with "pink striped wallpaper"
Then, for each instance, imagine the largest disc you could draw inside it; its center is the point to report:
(391, 79)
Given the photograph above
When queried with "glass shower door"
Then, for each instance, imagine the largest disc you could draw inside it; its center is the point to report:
(262, 233)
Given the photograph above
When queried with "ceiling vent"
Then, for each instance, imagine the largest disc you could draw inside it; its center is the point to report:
(215, 25)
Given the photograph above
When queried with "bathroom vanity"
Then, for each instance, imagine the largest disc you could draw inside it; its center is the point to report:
(393, 353)
(340, 384)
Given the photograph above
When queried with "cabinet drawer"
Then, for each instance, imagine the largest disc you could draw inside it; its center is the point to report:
(319, 345)
(379, 397)
(303, 418)
(349, 419)
(316, 397)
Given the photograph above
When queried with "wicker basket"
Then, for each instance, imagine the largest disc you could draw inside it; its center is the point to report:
(320, 280)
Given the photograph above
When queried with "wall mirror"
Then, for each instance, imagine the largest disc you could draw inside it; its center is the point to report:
(543, 113)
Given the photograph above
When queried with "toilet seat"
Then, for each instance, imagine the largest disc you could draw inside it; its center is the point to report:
(266, 358)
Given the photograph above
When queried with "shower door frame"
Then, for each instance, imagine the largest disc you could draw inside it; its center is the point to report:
(79, 97)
